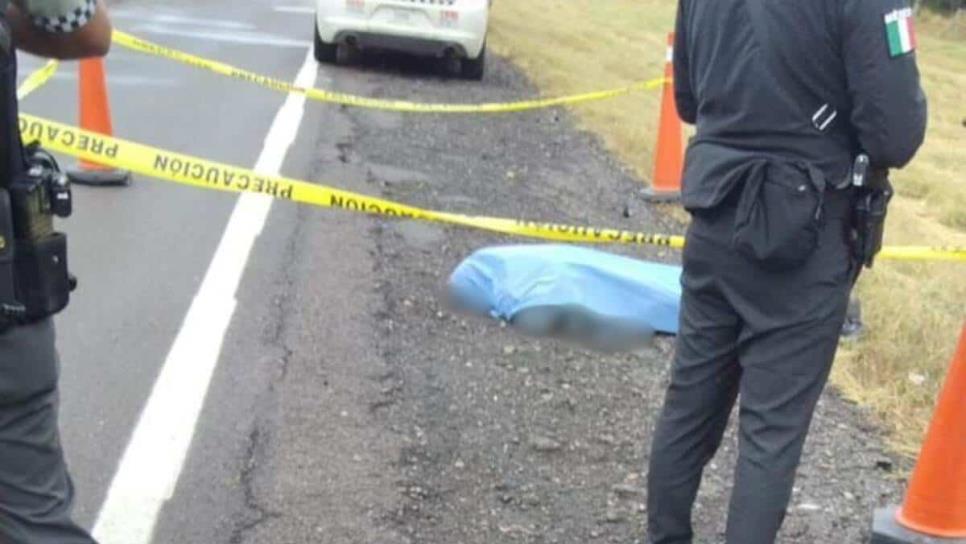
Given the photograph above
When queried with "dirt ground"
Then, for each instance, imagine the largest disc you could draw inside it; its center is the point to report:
(467, 432)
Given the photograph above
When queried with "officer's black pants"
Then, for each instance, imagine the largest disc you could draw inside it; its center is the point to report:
(36, 493)
(764, 337)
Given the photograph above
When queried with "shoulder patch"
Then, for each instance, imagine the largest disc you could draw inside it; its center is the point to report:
(900, 32)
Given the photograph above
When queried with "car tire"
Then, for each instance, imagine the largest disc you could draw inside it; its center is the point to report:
(347, 54)
(473, 69)
(324, 52)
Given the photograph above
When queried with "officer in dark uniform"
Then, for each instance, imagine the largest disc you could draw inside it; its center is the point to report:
(36, 493)
(785, 95)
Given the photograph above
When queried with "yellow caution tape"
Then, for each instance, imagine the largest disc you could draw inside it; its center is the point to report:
(37, 79)
(197, 172)
(137, 44)
(924, 253)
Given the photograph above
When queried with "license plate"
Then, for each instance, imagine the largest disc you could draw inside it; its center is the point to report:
(401, 16)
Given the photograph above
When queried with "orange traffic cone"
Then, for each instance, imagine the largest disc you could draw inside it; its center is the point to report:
(95, 116)
(935, 506)
(669, 153)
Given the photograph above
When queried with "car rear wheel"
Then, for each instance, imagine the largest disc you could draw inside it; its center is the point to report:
(473, 68)
(324, 51)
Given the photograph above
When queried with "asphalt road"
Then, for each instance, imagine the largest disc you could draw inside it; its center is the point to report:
(142, 252)
(238, 373)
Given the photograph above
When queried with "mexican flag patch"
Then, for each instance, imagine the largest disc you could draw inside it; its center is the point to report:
(900, 32)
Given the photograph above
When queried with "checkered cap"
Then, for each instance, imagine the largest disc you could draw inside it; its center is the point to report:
(72, 18)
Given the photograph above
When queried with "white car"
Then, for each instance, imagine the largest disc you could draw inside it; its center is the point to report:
(453, 29)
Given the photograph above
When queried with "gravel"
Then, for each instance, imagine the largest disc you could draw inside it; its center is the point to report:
(508, 439)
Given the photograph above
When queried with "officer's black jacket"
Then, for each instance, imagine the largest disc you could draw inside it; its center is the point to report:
(11, 162)
(760, 78)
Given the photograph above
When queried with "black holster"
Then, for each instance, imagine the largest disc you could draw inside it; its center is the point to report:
(869, 216)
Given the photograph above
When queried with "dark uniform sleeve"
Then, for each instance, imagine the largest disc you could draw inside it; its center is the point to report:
(58, 16)
(888, 104)
(683, 94)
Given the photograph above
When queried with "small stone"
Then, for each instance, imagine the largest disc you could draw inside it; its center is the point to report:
(509, 350)
(459, 464)
(627, 490)
(809, 507)
(614, 516)
(916, 378)
(849, 496)
(545, 444)
(416, 492)
(884, 465)
(531, 500)
(607, 439)
(505, 485)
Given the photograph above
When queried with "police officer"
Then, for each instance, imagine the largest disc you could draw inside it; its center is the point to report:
(785, 95)
(36, 492)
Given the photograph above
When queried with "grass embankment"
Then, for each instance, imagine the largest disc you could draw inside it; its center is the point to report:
(913, 311)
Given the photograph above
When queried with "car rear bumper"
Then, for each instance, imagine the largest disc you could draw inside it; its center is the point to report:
(425, 47)
(463, 42)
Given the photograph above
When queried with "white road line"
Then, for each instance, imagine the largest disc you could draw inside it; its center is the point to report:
(239, 37)
(127, 81)
(152, 462)
(301, 10)
(142, 16)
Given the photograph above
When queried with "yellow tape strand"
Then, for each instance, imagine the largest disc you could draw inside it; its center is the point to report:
(137, 44)
(196, 172)
(37, 79)
(924, 253)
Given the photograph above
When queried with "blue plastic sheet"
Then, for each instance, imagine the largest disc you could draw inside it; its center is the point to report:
(602, 299)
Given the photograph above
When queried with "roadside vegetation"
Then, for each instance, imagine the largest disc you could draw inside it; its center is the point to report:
(913, 311)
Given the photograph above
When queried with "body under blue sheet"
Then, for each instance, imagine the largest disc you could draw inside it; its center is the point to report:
(503, 281)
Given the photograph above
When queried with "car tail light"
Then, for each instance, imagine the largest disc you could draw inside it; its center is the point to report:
(449, 16)
(355, 5)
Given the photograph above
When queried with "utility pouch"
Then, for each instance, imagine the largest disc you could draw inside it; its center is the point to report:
(780, 214)
(868, 219)
(43, 282)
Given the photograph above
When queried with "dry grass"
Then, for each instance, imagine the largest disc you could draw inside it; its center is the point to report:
(913, 311)
(570, 46)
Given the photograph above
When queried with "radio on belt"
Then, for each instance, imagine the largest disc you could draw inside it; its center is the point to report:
(34, 280)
